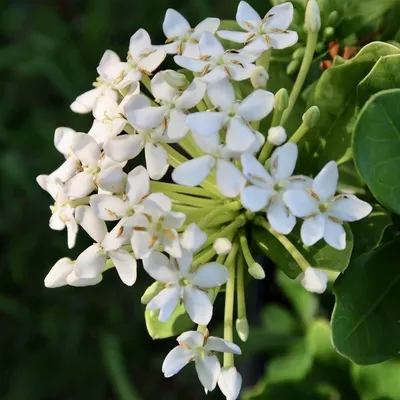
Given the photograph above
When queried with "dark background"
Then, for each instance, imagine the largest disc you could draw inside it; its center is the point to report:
(72, 343)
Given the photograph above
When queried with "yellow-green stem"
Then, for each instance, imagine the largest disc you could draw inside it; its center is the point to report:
(167, 188)
(298, 135)
(241, 300)
(232, 206)
(265, 152)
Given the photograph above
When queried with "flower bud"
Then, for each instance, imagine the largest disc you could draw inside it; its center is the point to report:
(259, 77)
(311, 116)
(329, 32)
(151, 292)
(293, 66)
(320, 47)
(333, 18)
(299, 53)
(277, 135)
(314, 280)
(222, 246)
(230, 382)
(256, 271)
(175, 79)
(313, 16)
(57, 276)
(242, 328)
(281, 99)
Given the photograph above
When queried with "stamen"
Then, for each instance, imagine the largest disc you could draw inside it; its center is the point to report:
(248, 24)
(206, 336)
(153, 241)
(204, 57)
(334, 219)
(249, 38)
(180, 49)
(171, 39)
(120, 231)
(228, 72)
(205, 70)
(139, 228)
(313, 194)
(169, 234)
(111, 213)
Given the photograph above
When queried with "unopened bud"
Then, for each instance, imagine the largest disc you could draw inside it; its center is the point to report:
(259, 77)
(320, 47)
(313, 16)
(242, 328)
(222, 246)
(329, 32)
(314, 280)
(277, 135)
(333, 18)
(151, 292)
(299, 53)
(311, 116)
(293, 66)
(256, 271)
(175, 79)
(281, 99)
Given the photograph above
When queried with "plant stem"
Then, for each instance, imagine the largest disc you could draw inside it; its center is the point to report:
(241, 301)
(232, 206)
(298, 135)
(146, 82)
(265, 152)
(245, 250)
(264, 59)
(194, 200)
(174, 188)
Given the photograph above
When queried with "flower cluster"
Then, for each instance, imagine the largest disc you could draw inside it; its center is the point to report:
(204, 122)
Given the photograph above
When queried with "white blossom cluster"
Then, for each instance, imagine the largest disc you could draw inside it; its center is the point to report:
(202, 124)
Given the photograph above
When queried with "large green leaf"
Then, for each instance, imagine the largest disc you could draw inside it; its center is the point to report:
(321, 255)
(365, 322)
(376, 147)
(336, 96)
(178, 323)
(384, 75)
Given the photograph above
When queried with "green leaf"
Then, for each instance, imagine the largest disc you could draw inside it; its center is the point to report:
(376, 147)
(336, 96)
(380, 381)
(384, 75)
(321, 255)
(365, 322)
(178, 323)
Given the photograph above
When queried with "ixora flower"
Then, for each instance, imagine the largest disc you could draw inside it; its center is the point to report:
(181, 38)
(194, 346)
(182, 285)
(263, 34)
(215, 63)
(267, 189)
(323, 212)
(86, 102)
(230, 382)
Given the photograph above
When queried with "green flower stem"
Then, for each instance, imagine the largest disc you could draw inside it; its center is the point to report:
(312, 40)
(232, 206)
(190, 147)
(276, 118)
(79, 202)
(192, 209)
(264, 59)
(194, 200)
(298, 135)
(285, 242)
(146, 82)
(130, 129)
(265, 152)
(223, 219)
(156, 186)
(203, 258)
(241, 301)
(238, 91)
(245, 250)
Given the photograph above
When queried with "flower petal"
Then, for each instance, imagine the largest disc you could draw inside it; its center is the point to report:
(234, 36)
(73, 280)
(63, 138)
(208, 369)
(314, 280)
(140, 242)
(300, 203)
(193, 238)
(283, 161)
(208, 143)
(80, 185)
(280, 16)
(335, 235)
(107, 207)
(280, 217)
(349, 208)
(84, 103)
(206, 123)
(192, 339)
(325, 183)
(184, 263)
(239, 136)
(124, 147)
(255, 198)
(197, 305)
(256, 106)
(207, 25)
(165, 203)
(211, 46)
(312, 229)
(282, 40)
(176, 359)
(139, 43)
(67, 169)
(125, 265)
(175, 24)
(58, 274)
(192, 95)
(247, 17)
(156, 160)
(90, 262)
(193, 172)
(112, 179)
(191, 64)
(86, 149)
(177, 127)
(91, 223)
(149, 117)
(138, 185)
(215, 75)
(221, 345)
(255, 172)
(152, 61)
(230, 180)
(166, 301)
(222, 94)
(230, 383)
(159, 267)
(210, 275)
(160, 89)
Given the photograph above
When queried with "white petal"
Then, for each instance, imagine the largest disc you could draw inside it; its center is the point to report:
(177, 127)
(107, 207)
(138, 185)
(112, 179)
(240, 72)
(67, 169)
(190, 50)
(282, 40)
(325, 183)
(193, 172)
(124, 147)
(173, 220)
(207, 25)
(314, 280)
(72, 226)
(84, 103)
(165, 203)
(86, 149)
(172, 246)
(230, 383)
(52, 185)
(190, 63)
(160, 89)
(136, 103)
(280, 217)
(208, 143)
(56, 222)
(175, 24)
(125, 265)
(80, 185)
(184, 263)
(176, 359)
(300, 203)
(280, 16)
(239, 136)
(210, 45)
(139, 43)
(90, 262)
(255, 172)
(192, 95)
(91, 223)
(193, 238)
(230, 180)
(222, 94)
(206, 123)
(335, 235)
(224, 346)
(256, 106)
(197, 305)
(140, 242)
(283, 161)
(257, 46)
(152, 61)
(57, 276)
(101, 132)
(166, 301)
(105, 107)
(63, 138)
(349, 208)
(159, 267)
(312, 229)
(215, 75)
(149, 117)
(254, 198)
(109, 56)
(238, 37)
(247, 17)
(208, 369)
(299, 182)
(192, 339)
(156, 160)
(210, 275)
(73, 280)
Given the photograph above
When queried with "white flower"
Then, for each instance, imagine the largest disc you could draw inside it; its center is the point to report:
(222, 246)
(277, 135)
(181, 38)
(86, 102)
(194, 346)
(63, 273)
(215, 63)
(143, 58)
(172, 113)
(91, 261)
(266, 189)
(230, 383)
(184, 286)
(62, 212)
(314, 280)
(193, 238)
(324, 213)
(263, 34)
